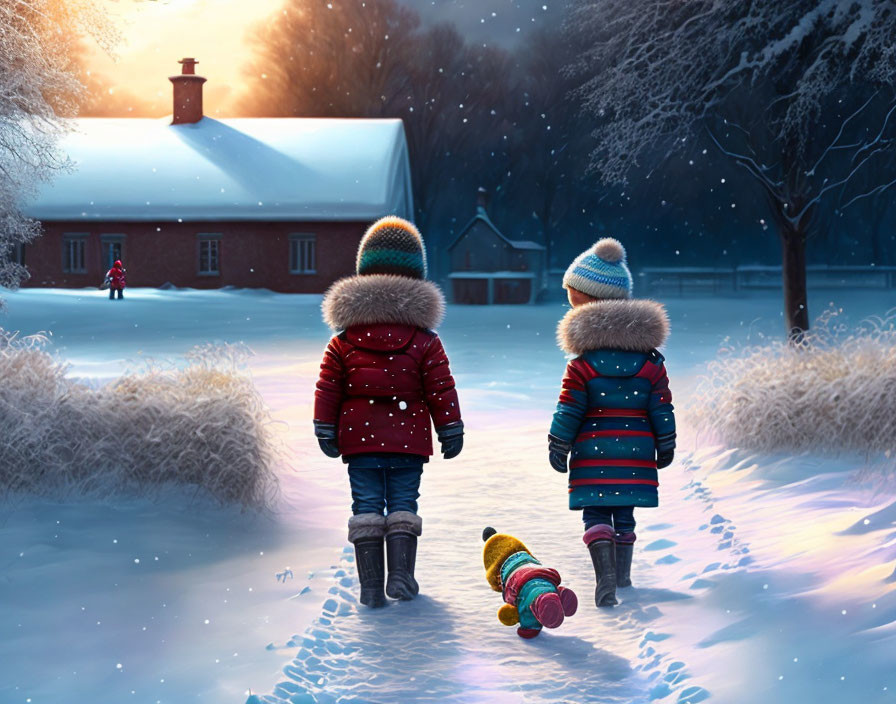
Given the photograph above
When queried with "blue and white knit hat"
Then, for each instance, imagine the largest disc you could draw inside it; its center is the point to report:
(601, 271)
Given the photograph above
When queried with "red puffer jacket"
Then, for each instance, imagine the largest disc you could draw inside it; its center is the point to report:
(380, 382)
(116, 276)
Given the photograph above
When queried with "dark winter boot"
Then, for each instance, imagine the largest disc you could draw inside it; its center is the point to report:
(402, 529)
(625, 546)
(602, 546)
(366, 532)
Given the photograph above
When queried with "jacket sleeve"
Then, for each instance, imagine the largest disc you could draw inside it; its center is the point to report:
(329, 393)
(573, 403)
(438, 385)
(660, 410)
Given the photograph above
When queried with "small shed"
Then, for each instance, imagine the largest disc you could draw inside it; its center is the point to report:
(489, 268)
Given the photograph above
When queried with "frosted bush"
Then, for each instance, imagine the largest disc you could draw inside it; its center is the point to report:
(835, 393)
(203, 427)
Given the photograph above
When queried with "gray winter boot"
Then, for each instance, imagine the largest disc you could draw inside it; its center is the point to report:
(366, 532)
(625, 546)
(602, 546)
(402, 529)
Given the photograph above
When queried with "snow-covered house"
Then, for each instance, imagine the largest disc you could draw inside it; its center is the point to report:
(199, 202)
(487, 267)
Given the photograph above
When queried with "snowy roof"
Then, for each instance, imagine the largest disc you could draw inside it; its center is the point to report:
(239, 169)
(482, 216)
(525, 244)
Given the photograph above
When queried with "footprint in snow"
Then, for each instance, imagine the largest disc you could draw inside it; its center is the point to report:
(702, 584)
(668, 560)
(693, 695)
(661, 544)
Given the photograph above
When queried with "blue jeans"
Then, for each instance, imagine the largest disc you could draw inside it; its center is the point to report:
(621, 518)
(385, 482)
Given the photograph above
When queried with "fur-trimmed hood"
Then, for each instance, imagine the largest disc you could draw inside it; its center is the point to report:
(383, 299)
(635, 325)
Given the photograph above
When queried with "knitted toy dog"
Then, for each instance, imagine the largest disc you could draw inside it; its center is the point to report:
(533, 595)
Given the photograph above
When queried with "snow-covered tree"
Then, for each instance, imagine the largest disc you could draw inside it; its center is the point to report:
(370, 58)
(800, 94)
(552, 140)
(316, 58)
(39, 86)
(456, 114)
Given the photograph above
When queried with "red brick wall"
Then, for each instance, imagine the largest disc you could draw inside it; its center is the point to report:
(252, 255)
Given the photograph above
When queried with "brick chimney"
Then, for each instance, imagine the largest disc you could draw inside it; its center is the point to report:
(187, 93)
(482, 199)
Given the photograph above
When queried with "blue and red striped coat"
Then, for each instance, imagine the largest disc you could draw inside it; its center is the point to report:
(616, 410)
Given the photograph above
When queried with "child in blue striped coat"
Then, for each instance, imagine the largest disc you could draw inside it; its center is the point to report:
(614, 423)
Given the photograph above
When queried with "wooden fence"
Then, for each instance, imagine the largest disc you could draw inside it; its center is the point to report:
(685, 281)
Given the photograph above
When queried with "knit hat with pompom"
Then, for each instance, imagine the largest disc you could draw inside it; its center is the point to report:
(601, 271)
(498, 547)
(392, 246)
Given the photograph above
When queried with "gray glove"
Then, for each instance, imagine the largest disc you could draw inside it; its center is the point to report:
(326, 438)
(451, 437)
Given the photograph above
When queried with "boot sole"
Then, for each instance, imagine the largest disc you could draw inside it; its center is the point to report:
(548, 609)
(569, 600)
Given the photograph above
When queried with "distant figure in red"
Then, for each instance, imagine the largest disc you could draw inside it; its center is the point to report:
(116, 278)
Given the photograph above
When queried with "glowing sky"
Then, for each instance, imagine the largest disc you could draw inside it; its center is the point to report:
(156, 33)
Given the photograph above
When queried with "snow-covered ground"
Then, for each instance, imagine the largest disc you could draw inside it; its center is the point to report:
(757, 578)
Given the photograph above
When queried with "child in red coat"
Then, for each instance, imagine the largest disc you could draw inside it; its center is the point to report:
(116, 278)
(383, 376)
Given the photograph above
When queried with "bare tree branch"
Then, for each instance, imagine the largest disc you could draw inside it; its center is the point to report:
(833, 145)
(756, 171)
(39, 87)
(797, 82)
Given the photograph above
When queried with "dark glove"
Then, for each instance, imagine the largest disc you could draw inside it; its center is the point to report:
(558, 451)
(665, 450)
(326, 438)
(451, 437)
(664, 458)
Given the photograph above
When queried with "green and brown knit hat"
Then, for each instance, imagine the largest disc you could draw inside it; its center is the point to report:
(392, 246)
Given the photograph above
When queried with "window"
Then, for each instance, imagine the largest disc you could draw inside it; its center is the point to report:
(209, 254)
(302, 254)
(113, 246)
(17, 254)
(73, 246)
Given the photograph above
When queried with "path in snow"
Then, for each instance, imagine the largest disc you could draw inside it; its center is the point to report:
(742, 575)
(710, 617)
(448, 644)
